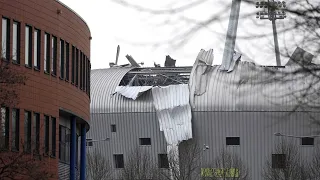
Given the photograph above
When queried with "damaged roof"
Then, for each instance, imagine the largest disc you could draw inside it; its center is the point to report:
(223, 91)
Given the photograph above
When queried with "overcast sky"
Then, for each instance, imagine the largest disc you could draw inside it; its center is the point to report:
(112, 24)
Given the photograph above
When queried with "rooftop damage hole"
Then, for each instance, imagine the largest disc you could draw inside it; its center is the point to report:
(157, 76)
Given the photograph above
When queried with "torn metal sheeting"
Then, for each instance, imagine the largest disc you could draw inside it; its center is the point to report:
(132, 92)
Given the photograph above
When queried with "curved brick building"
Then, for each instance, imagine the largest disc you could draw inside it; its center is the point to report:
(50, 43)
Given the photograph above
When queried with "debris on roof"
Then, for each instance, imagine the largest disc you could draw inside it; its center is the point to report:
(132, 92)
(132, 61)
(170, 62)
(300, 56)
(199, 74)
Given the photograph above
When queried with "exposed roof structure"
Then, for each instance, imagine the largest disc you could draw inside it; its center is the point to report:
(224, 92)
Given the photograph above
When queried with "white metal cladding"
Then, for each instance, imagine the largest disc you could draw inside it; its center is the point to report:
(225, 91)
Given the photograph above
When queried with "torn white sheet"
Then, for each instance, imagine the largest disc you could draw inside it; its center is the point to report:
(198, 77)
(173, 112)
(132, 92)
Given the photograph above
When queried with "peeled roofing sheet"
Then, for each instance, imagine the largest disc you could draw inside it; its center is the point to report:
(132, 92)
(173, 112)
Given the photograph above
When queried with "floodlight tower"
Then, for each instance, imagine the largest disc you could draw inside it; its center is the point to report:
(272, 10)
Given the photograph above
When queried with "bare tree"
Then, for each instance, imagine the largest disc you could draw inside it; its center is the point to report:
(315, 165)
(227, 166)
(140, 165)
(184, 164)
(286, 164)
(98, 167)
(23, 165)
(10, 79)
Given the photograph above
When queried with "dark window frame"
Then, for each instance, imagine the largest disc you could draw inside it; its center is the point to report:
(53, 136)
(54, 55)
(118, 161)
(8, 53)
(67, 77)
(17, 61)
(36, 126)
(16, 130)
(307, 141)
(145, 141)
(27, 131)
(89, 142)
(6, 127)
(29, 63)
(73, 59)
(47, 48)
(62, 59)
(233, 141)
(163, 161)
(278, 161)
(46, 134)
(38, 54)
(113, 127)
(77, 67)
(81, 73)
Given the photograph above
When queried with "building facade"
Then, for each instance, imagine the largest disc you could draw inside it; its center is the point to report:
(228, 113)
(50, 43)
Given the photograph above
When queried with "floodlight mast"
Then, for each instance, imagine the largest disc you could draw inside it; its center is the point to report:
(275, 10)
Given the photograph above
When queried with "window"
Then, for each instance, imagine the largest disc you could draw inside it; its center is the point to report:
(46, 53)
(113, 128)
(278, 161)
(16, 42)
(4, 139)
(307, 141)
(73, 64)
(53, 136)
(77, 67)
(15, 129)
(84, 73)
(81, 61)
(28, 46)
(163, 161)
(5, 38)
(64, 144)
(36, 49)
(233, 140)
(88, 76)
(62, 59)
(118, 160)
(36, 131)
(54, 55)
(67, 61)
(46, 134)
(145, 141)
(27, 131)
(89, 142)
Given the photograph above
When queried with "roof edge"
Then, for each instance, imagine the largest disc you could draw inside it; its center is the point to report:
(75, 14)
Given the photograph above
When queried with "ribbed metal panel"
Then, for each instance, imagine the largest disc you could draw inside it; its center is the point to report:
(103, 99)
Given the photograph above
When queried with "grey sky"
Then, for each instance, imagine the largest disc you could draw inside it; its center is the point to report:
(112, 24)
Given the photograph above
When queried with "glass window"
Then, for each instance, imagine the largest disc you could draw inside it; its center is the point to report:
(5, 38)
(54, 55)
(27, 131)
(64, 144)
(46, 53)
(4, 139)
(77, 67)
(307, 141)
(145, 141)
(28, 46)
(81, 64)
(62, 55)
(73, 64)
(83, 72)
(36, 48)
(15, 129)
(16, 42)
(46, 134)
(118, 160)
(89, 142)
(233, 140)
(67, 61)
(113, 128)
(278, 161)
(53, 136)
(36, 131)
